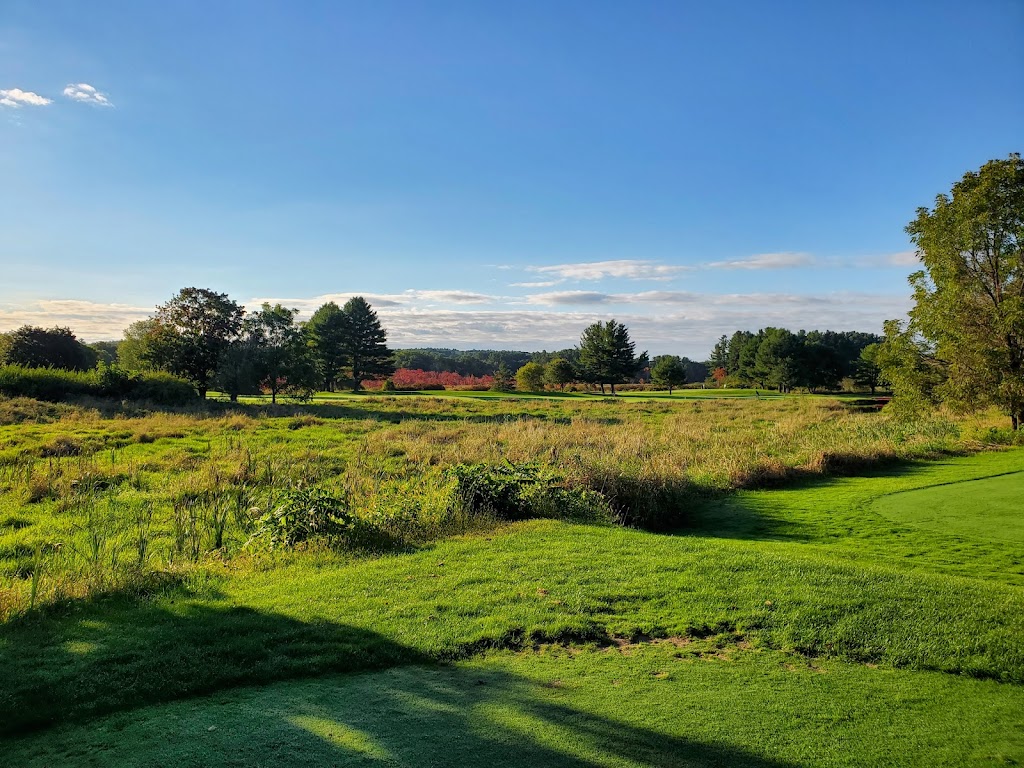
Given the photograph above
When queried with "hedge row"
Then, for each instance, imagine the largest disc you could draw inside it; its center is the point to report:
(57, 385)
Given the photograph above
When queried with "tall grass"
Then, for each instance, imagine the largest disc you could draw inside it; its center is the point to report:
(112, 499)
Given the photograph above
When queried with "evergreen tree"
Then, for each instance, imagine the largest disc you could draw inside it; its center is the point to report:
(607, 354)
(327, 329)
(365, 349)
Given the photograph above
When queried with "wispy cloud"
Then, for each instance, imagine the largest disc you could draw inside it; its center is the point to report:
(903, 259)
(784, 260)
(661, 321)
(630, 269)
(536, 284)
(86, 94)
(15, 97)
(570, 298)
(90, 320)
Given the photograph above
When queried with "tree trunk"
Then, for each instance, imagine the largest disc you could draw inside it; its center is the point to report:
(670, 389)
(613, 387)
(202, 392)
(273, 396)
(1015, 420)
(234, 397)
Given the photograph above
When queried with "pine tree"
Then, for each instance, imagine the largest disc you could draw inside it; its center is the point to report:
(365, 343)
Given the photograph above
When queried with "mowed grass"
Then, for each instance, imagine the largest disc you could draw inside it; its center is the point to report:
(472, 394)
(787, 626)
(989, 508)
(647, 705)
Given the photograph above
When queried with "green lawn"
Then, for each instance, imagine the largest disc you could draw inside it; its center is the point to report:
(678, 394)
(990, 508)
(802, 627)
(647, 705)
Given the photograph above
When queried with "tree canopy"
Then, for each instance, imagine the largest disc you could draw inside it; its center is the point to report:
(327, 328)
(607, 354)
(364, 343)
(964, 341)
(55, 347)
(668, 371)
(191, 332)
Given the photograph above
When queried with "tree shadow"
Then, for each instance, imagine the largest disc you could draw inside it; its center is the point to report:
(428, 714)
(120, 652)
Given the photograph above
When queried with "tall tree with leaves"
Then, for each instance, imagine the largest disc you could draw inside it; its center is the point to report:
(282, 360)
(668, 371)
(365, 343)
(720, 354)
(47, 348)
(607, 354)
(559, 372)
(327, 330)
(191, 332)
(867, 371)
(968, 314)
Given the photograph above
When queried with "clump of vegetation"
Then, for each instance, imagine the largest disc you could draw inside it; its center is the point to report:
(520, 492)
(304, 514)
(56, 385)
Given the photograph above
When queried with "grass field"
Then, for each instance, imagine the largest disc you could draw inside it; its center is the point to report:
(794, 617)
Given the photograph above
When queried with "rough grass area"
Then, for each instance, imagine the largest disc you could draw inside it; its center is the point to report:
(787, 622)
(96, 500)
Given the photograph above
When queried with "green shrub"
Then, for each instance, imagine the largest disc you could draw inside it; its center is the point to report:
(56, 385)
(387, 386)
(302, 514)
(46, 383)
(519, 492)
(162, 389)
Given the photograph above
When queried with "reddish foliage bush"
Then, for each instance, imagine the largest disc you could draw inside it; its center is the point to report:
(409, 378)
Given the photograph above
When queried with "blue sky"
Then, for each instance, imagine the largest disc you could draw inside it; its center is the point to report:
(492, 175)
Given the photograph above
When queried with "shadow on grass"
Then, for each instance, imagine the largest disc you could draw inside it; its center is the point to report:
(419, 715)
(737, 515)
(121, 653)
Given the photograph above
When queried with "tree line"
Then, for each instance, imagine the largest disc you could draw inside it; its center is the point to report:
(776, 358)
(211, 341)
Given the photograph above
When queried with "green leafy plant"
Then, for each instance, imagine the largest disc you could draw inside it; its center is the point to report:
(302, 514)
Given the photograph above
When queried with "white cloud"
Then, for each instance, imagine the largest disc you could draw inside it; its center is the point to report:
(660, 321)
(903, 259)
(570, 298)
(88, 319)
(15, 97)
(631, 269)
(86, 94)
(784, 260)
(535, 284)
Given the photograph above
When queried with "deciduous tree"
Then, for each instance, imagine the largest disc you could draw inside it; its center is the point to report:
(530, 378)
(55, 347)
(282, 360)
(668, 371)
(968, 314)
(191, 332)
(559, 372)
